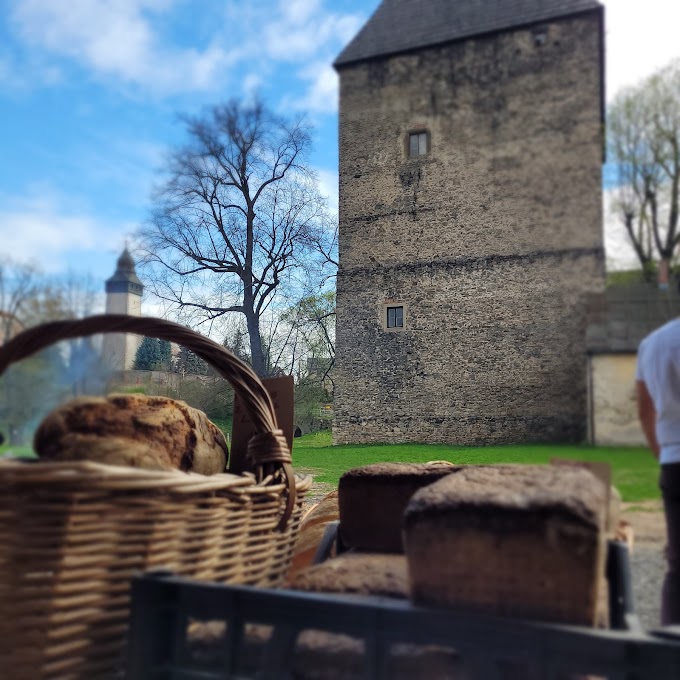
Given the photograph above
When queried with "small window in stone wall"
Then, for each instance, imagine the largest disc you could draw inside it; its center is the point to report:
(395, 317)
(417, 144)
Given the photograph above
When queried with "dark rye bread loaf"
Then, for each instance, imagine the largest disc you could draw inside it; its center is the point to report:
(372, 500)
(154, 433)
(518, 540)
(357, 573)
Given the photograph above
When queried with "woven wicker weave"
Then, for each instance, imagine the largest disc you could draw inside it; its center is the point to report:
(73, 534)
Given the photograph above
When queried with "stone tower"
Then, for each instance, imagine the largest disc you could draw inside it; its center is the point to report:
(123, 296)
(471, 145)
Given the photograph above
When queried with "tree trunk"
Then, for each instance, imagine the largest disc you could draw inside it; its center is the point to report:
(664, 272)
(638, 244)
(256, 353)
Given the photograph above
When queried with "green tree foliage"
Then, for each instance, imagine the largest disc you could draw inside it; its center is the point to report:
(312, 335)
(148, 356)
(164, 355)
(305, 348)
(30, 388)
(211, 394)
(153, 355)
(644, 143)
(189, 363)
(310, 396)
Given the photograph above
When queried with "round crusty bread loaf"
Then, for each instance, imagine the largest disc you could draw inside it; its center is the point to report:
(356, 572)
(153, 433)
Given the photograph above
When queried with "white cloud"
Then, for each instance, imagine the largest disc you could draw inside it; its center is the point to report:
(124, 41)
(619, 252)
(322, 93)
(38, 226)
(328, 187)
(302, 30)
(299, 10)
(118, 39)
(14, 70)
(251, 84)
(639, 39)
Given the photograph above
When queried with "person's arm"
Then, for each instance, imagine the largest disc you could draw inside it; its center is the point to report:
(647, 415)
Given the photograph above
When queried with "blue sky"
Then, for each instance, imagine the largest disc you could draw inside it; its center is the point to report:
(90, 92)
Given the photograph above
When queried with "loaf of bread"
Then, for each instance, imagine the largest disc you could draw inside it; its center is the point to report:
(357, 573)
(153, 433)
(524, 541)
(372, 500)
(320, 655)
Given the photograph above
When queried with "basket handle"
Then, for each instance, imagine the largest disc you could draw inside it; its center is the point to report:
(267, 448)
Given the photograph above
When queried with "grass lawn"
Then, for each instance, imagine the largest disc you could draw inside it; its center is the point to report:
(634, 470)
(23, 451)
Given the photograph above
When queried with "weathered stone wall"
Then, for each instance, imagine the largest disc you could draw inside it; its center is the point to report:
(491, 241)
(614, 418)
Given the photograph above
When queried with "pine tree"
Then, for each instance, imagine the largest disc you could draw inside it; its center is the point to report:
(148, 356)
(165, 355)
(188, 362)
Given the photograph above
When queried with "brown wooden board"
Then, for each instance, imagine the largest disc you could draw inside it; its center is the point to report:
(281, 391)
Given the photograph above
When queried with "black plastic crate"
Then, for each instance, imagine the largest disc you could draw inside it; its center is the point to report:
(163, 606)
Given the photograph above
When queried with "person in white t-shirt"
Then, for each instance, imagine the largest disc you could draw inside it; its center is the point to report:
(658, 397)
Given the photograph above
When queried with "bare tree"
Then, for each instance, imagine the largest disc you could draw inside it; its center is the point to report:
(644, 141)
(306, 339)
(315, 320)
(238, 213)
(19, 288)
(79, 294)
(30, 388)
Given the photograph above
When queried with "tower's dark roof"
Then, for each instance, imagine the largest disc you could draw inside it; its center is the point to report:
(125, 270)
(403, 25)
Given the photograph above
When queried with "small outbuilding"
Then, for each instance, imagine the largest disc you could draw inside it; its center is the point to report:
(619, 320)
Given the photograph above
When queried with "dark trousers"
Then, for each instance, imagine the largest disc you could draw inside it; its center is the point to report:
(670, 595)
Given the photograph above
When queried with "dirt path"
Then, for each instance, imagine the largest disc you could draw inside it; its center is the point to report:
(647, 560)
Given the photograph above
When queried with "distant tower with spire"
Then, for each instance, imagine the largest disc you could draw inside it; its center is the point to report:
(123, 296)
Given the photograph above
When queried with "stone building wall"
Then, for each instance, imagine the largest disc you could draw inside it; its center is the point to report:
(491, 241)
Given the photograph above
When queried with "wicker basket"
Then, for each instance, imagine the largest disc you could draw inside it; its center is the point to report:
(73, 534)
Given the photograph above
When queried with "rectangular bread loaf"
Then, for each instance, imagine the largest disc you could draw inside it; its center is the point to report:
(372, 500)
(523, 541)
